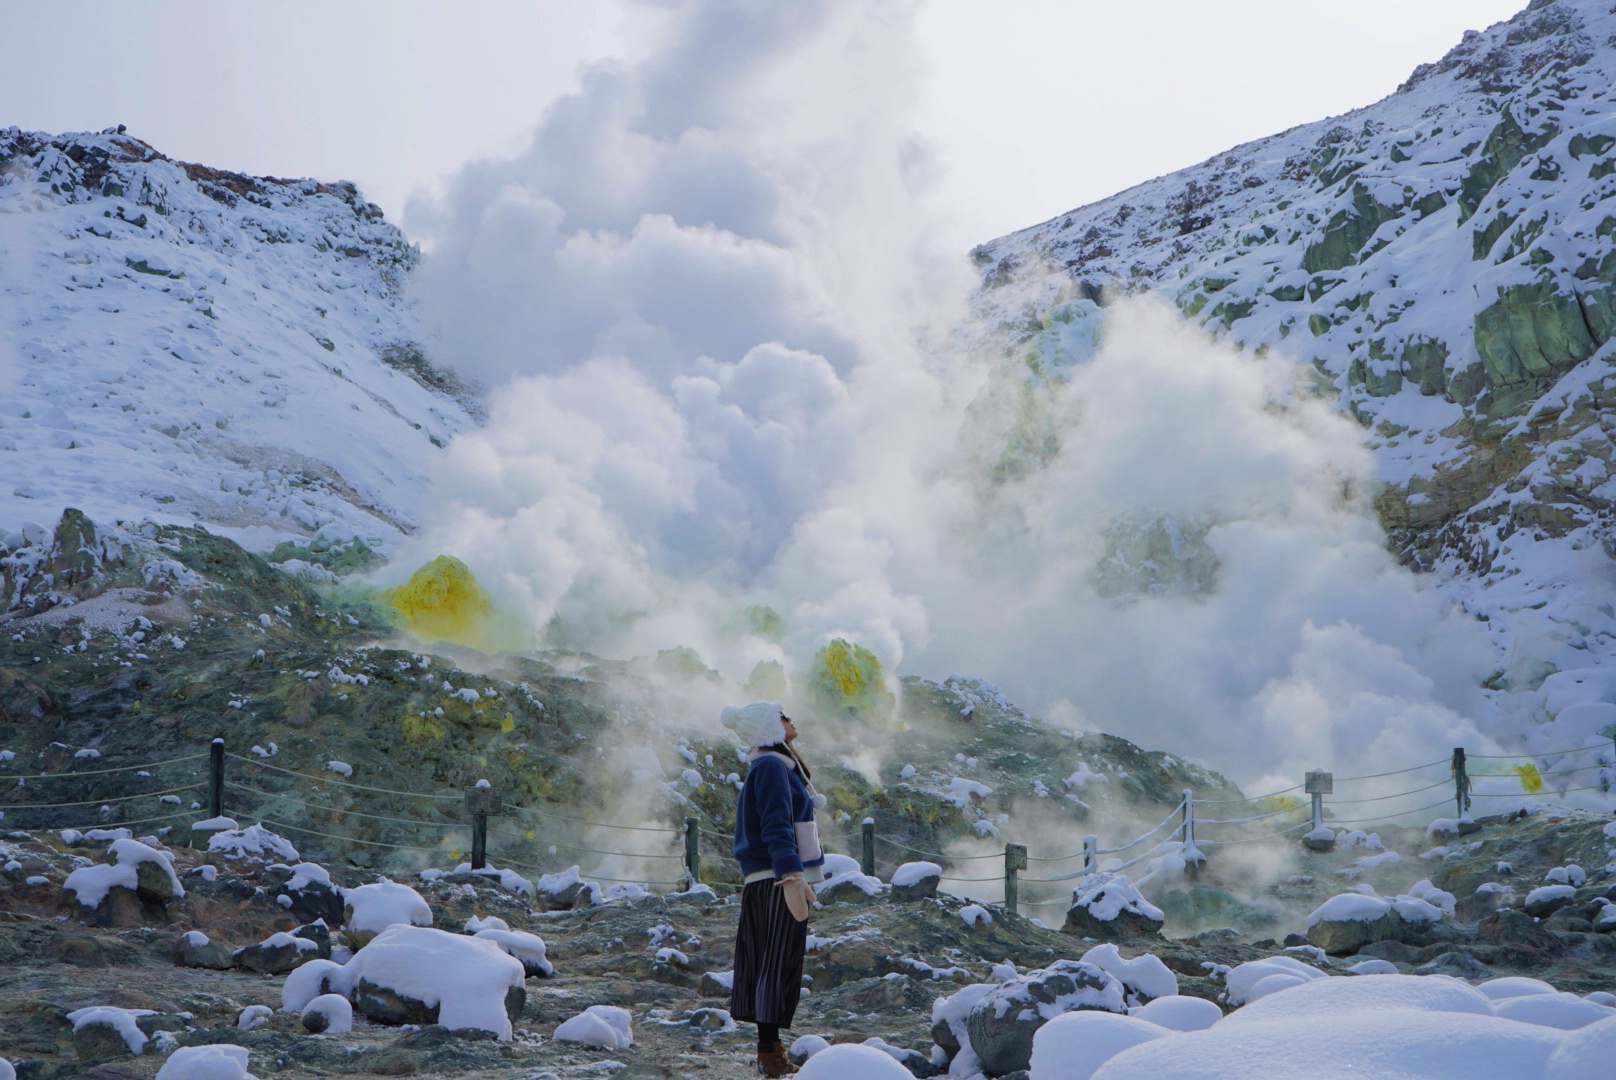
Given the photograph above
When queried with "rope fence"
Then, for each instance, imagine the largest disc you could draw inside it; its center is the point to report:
(450, 817)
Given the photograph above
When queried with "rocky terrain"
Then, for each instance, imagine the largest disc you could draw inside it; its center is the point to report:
(184, 637)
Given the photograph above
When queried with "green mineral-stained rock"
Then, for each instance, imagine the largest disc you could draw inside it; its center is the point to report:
(1319, 284)
(1506, 145)
(1483, 239)
(1232, 310)
(1430, 204)
(1194, 304)
(1531, 332)
(1317, 323)
(1348, 231)
(1381, 380)
(1602, 169)
(1216, 284)
(1288, 293)
(1425, 360)
(1398, 155)
(1591, 144)
(1466, 384)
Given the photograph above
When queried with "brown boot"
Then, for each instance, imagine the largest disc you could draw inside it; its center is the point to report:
(774, 1063)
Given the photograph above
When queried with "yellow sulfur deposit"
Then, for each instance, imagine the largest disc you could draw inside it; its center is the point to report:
(1531, 782)
(442, 601)
(847, 679)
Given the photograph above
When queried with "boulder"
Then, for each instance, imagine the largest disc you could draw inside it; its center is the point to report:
(194, 950)
(711, 986)
(1002, 1023)
(1521, 939)
(848, 889)
(418, 975)
(1347, 923)
(1542, 902)
(1461, 965)
(277, 954)
(916, 881)
(1108, 907)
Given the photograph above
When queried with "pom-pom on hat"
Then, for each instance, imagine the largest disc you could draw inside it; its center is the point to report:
(757, 724)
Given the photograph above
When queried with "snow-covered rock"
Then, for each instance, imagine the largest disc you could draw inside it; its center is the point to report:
(254, 843)
(1107, 905)
(330, 1014)
(143, 870)
(1071, 1047)
(606, 1026)
(528, 948)
(370, 909)
(1143, 978)
(220, 1061)
(852, 1061)
(418, 975)
(1002, 1023)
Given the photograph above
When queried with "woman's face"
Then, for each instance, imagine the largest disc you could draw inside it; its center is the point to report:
(791, 728)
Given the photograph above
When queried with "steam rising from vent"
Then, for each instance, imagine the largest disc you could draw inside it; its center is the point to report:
(732, 331)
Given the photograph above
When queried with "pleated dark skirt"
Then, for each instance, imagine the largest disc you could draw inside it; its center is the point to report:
(768, 957)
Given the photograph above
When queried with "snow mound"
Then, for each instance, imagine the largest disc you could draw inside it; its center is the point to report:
(333, 1009)
(489, 922)
(1584, 1053)
(851, 1061)
(1514, 986)
(976, 915)
(375, 907)
(255, 843)
(220, 1061)
(1145, 977)
(528, 948)
(1071, 1047)
(1257, 979)
(1179, 1013)
(306, 982)
(1323, 996)
(606, 1026)
(1568, 1012)
(253, 1017)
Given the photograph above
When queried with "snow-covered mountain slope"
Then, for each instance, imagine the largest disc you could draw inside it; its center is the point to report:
(198, 346)
(1445, 262)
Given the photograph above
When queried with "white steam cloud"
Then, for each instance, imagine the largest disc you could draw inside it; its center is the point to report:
(723, 320)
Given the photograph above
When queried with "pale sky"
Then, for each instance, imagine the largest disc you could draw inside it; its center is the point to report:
(1036, 106)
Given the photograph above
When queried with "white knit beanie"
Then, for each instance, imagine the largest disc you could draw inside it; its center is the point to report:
(757, 724)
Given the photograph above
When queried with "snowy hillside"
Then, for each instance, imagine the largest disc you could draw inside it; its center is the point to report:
(1445, 260)
(199, 346)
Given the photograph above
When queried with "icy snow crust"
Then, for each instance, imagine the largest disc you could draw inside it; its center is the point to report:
(200, 346)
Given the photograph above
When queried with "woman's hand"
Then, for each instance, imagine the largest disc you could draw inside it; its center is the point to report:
(798, 895)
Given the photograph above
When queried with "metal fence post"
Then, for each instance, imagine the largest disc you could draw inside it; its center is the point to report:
(1015, 858)
(693, 849)
(482, 801)
(867, 855)
(1091, 853)
(216, 776)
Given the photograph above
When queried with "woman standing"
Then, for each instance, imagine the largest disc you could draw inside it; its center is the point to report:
(777, 845)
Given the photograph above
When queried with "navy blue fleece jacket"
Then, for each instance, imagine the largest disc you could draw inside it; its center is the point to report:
(773, 799)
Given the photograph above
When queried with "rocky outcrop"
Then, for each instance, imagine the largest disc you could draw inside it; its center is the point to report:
(1003, 1022)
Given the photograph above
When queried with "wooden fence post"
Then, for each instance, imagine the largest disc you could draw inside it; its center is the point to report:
(216, 776)
(867, 855)
(1317, 784)
(482, 801)
(693, 850)
(1091, 853)
(1015, 858)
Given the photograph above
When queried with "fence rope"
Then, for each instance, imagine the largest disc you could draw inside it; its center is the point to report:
(592, 851)
(1526, 795)
(598, 824)
(1532, 753)
(114, 824)
(591, 877)
(1166, 821)
(1248, 820)
(105, 800)
(349, 839)
(1252, 799)
(1394, 772)
(344, 783)
(235, 786)
(1253, 839)
(1446, 781)
(1385, 817)
(938, 854)
(103, 772)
